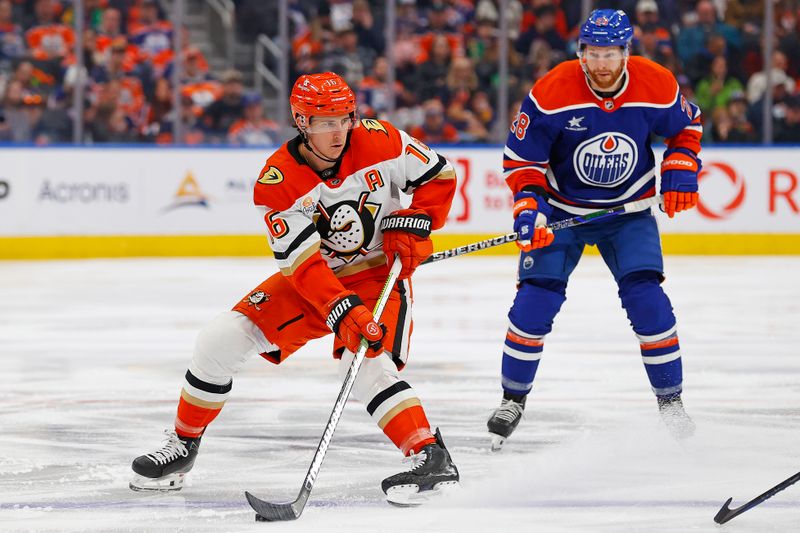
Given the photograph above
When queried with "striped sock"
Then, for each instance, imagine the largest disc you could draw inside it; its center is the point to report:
(399, 413)
(661, 354)
(521, 354)
(200, 403)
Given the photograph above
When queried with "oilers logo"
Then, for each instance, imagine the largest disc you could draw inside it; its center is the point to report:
(347, 228)
(605, 160)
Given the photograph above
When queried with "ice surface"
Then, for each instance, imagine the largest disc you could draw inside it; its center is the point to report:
(92, 355)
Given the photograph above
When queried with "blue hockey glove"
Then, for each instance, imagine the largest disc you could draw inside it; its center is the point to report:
(679, 172)
(530, 218)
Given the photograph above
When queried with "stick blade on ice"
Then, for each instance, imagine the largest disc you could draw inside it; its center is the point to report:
(724, 514)
(272, 512)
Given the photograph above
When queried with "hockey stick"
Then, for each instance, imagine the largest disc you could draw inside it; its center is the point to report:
(726, 513)
(272, 512)
(630, 207)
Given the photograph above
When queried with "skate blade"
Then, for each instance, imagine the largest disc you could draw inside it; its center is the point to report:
(410, 496)
(169, 483)
(497, 442)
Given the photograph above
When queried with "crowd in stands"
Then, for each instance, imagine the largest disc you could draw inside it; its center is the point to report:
(446, 54)
(127, 69)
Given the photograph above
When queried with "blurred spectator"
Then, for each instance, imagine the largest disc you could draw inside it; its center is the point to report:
(55, 125)
(650, 43)
(150, 33)
(191, 123)
(715, 90)
(730, 125)
(458, 113)
(114, 127)
(700, 64)
(484, 50)
(12, 44)
(692, 39)
(21, 111)
(461, 77)
(158, 110)
(196, 81)
(757, 83)
(755, 112)
(481, 107)
(539, 60)
(370, 34)
(254, 129)
(347, 58)
(488, 10)
(544, 28)
(787, 128)
(163, 62)
(32, 79)
(439, 26)
(375, 93)
(532, 13)
(220, 115)
(48, 38)
(110, 28)
(431, 76)
(130, 91)
(658, 40)
(434, 128)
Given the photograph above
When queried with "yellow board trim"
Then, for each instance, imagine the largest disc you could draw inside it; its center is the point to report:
(80, 247)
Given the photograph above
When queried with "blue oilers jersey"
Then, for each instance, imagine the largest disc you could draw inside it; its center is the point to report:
(590, 152)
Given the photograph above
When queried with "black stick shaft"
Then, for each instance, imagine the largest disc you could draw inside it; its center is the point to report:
(630, 207)
(726, 513)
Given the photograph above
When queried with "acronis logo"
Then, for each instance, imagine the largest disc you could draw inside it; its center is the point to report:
(188, 194)
(605, 160)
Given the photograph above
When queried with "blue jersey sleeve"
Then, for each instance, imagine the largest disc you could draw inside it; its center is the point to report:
(527, 152)
(681, 119)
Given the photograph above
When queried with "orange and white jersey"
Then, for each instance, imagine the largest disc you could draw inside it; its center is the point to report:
(338, 211)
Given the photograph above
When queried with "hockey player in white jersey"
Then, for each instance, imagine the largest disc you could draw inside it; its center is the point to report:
(330, 198)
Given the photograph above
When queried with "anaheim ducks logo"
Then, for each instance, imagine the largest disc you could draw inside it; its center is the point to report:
(374, 125)
(271, 176)
(605, 160)
(347, 227)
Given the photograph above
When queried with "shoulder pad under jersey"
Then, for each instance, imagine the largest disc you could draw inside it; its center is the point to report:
(374, 141)
(283, 180)
(564, 86)
(650, 83)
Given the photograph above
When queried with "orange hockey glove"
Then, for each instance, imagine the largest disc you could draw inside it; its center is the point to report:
(406, 232)
(679, 180)
(349, 319)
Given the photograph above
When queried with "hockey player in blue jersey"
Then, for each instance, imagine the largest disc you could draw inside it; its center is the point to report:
(580, 143)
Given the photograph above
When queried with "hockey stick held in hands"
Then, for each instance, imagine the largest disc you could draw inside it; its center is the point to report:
(630, 207)
(272, 512)
(726, 513)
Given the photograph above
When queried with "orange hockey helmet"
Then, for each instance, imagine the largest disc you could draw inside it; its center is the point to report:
(324, 94)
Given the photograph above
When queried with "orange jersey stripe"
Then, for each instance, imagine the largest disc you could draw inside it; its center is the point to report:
(659, 344)
(513, 337)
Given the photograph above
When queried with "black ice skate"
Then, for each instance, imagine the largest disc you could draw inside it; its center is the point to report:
(674, 416)
(505, 419)
(164, 469)
(432, 473)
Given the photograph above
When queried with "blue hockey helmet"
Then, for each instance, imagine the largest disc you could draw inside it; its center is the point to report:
(606, 27)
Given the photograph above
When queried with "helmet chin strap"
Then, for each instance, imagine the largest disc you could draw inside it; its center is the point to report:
(307, 144)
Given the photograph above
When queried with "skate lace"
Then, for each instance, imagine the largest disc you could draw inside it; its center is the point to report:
(417, 460)
(509, 411)
(171, 449)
